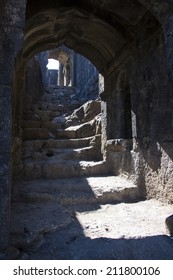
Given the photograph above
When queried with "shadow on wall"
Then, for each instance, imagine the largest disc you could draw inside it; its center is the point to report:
(144, 118)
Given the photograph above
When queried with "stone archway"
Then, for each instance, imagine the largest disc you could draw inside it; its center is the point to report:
(65, 68)
(103, 31)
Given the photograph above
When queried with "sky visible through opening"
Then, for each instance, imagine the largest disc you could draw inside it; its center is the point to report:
(53, 64)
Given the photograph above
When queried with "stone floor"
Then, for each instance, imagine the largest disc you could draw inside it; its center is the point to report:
(112, 231)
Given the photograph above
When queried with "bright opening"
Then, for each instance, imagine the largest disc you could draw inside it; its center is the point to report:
(53, 64)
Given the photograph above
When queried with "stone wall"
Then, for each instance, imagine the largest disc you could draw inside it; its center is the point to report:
(33, 84)
(42, 58)
(31, 92)
(131, 49)
(11, 37)
(154, 118)
(87, 79)
(147, 155)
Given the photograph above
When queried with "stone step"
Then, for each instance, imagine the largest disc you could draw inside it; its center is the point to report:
(53, 169)
(85, 190)
(37, 145)
(41, 115)
(31, 124)
(73, 104)
(41, 124)
(55, 106)
(78, 131)
(36, 133)
(46, 106)
(47, 115)
(86, 153)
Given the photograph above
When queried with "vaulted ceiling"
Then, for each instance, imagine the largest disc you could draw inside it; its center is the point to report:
(98, 29)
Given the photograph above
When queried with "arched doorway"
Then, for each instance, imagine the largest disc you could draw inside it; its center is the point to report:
(105, 53)
(66, 60)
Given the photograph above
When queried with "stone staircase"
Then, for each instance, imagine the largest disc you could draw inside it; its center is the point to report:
(68, 149)
(62, 167)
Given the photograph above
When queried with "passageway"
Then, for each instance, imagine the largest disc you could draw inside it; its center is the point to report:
(86, 150)
(69, 203)
(63, 170)
(67, 164)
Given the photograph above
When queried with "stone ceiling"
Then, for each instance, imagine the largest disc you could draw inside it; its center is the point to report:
(98, 29)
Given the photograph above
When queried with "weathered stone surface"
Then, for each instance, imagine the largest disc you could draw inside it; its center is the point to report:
(75, 191)
(151, 124)
(79, 131)
(86, 79)
(89, 153)
(85, 113)
(119, 145)
(59, 122)
(5, 118)
(33, 84)
(36, 145)
(159, 171)
(11, 253)
(54, 168)
(130, 42)
(11, 36)
(31, 124)
(30, 116)
(169, 224)
(51, 158)
(4, 199)
(26, 231)
(36, 133)
(94, 233)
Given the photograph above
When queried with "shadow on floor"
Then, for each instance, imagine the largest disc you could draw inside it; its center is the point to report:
(71, 244)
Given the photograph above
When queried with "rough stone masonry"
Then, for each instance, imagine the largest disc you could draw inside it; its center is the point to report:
(130, 43)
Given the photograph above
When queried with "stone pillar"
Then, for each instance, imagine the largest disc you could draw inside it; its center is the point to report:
(104, 124)
(104, 91)
(73, 69)
(101, 84)
(43, 61)
(61, 75)
(11, 37)
(119, 125)
(68, 73)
